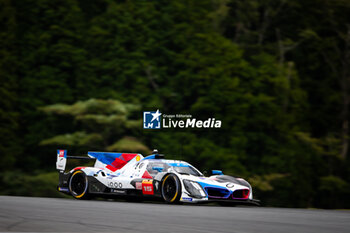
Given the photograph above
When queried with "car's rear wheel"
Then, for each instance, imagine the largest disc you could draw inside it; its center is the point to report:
(78, 185)
(171, 188)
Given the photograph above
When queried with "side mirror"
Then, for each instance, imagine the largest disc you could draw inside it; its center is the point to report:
(216, 172)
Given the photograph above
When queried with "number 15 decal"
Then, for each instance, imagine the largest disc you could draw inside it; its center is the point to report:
(147, 187)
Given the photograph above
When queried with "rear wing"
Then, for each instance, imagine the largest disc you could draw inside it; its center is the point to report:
(62, 159)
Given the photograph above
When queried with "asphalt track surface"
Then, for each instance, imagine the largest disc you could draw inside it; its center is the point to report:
(26, 214)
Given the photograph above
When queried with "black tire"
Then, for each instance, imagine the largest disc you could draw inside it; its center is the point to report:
(78, 185)
(171, 188)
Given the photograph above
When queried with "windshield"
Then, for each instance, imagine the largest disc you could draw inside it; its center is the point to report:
(188, 170)
(155, 167)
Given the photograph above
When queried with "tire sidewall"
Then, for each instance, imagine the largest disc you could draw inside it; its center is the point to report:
(179, 188)
(84, 195)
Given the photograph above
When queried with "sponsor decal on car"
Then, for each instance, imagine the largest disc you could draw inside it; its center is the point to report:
(147, 187)
(186, 199)
(61, 153)
(116, 185)
(138, 185)
(118, 191)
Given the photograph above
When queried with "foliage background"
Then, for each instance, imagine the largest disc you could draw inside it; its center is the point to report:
(78, 74)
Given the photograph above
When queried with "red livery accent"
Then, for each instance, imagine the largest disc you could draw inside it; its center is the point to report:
(245, 193)
(120, 162)
(146, 175)
(78, 168)
(241, 194)
(113, 169)
(128, 157)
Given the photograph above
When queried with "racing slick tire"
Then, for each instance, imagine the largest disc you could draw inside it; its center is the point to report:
(78, 185)
(171, 188)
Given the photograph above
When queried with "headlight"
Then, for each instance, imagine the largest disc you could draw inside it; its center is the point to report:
(194, 189)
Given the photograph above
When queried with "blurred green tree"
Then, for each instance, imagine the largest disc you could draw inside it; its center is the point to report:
(10, 146)
(101, 125)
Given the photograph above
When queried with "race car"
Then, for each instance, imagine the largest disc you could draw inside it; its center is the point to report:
(133, 175)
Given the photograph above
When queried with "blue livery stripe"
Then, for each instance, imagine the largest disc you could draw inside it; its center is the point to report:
(178, 165)
(105, 157)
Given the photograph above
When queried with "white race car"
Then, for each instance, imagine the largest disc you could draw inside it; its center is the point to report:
(132, 175)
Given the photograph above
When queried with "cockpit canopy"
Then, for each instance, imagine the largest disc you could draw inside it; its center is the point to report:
(155, 166)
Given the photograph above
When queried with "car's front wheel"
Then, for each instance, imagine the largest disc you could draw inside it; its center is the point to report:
(78, 185)
(171, 188)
